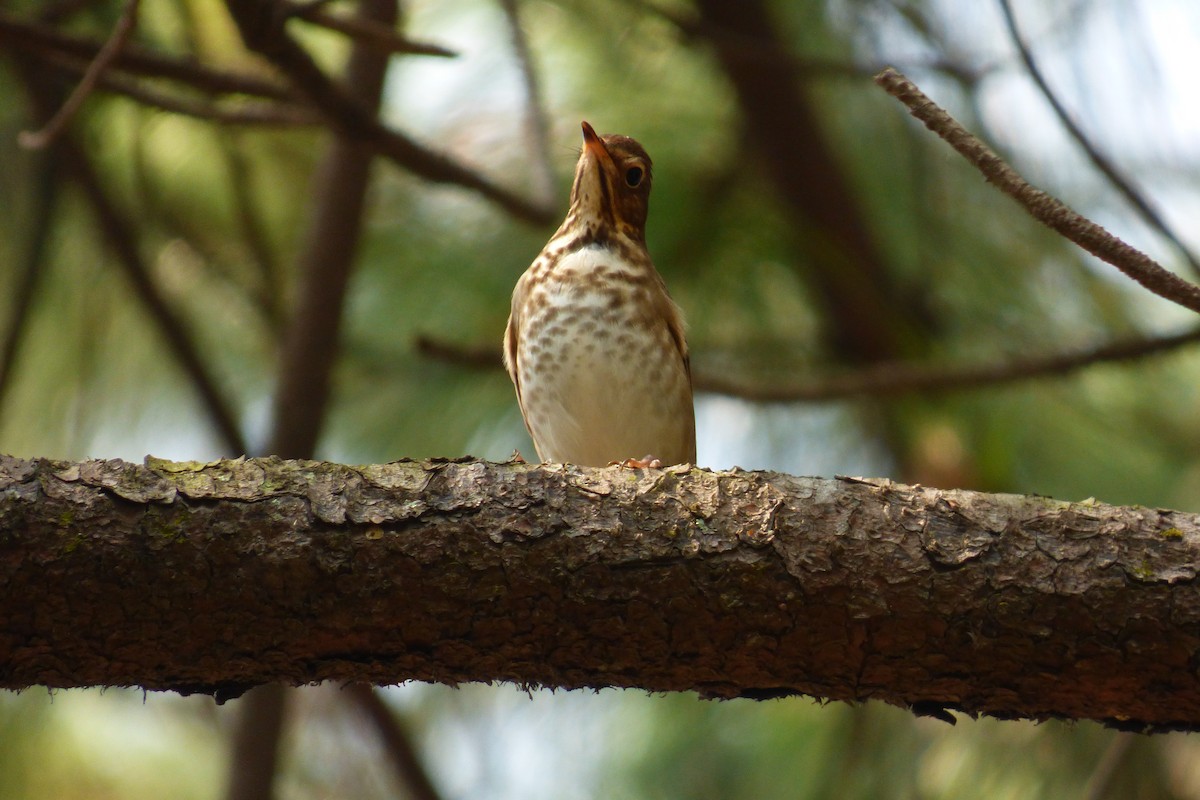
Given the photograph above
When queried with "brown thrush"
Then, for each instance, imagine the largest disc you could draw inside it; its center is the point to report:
(594, 344)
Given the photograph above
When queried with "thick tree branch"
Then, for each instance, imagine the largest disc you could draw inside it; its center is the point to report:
(214, 578)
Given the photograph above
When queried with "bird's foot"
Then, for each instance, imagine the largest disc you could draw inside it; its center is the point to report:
(646, 462)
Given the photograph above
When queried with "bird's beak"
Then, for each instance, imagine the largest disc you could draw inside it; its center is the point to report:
(594, 146)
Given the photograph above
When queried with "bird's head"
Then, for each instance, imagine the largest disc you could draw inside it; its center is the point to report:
(612, 184)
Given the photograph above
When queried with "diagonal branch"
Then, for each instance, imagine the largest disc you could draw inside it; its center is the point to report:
(261, 29)
(1099, 160)
(274, 113)
(1048, 210)
(898, 378)
(122, 240)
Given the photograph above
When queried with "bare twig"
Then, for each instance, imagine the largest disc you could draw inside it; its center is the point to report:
(397, 743)
(481, 357)
(1048, 210)
(883, 380)
(380, 37)
(36, 140)
(535, 113)
(1098, 159)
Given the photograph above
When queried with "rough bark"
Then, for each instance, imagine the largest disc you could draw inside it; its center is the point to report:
(217, 577)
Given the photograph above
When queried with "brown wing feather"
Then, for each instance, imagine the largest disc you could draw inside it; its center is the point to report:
(675, 325)
(512, 335)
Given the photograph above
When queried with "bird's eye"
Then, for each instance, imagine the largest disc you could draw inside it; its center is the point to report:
(633, 176)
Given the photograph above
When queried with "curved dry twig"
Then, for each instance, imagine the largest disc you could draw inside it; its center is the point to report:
(1098, 159)
(883, 380)
(1051, 212)
(37, 140)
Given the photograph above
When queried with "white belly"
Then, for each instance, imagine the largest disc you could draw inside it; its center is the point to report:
(602, 379)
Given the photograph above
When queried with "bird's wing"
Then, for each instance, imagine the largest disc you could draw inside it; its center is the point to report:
(512, 334)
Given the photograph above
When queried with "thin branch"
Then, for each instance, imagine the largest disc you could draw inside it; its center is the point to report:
(883, 380)
(45, 42)
(179, 341)
(397, 743)
(536, 128)
(1101, 162)
(374, 35)
(1049, 211)
(893, 379)
(346, 115)
(37, 140)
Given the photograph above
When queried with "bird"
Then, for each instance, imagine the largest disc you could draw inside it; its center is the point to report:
(595, 346)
